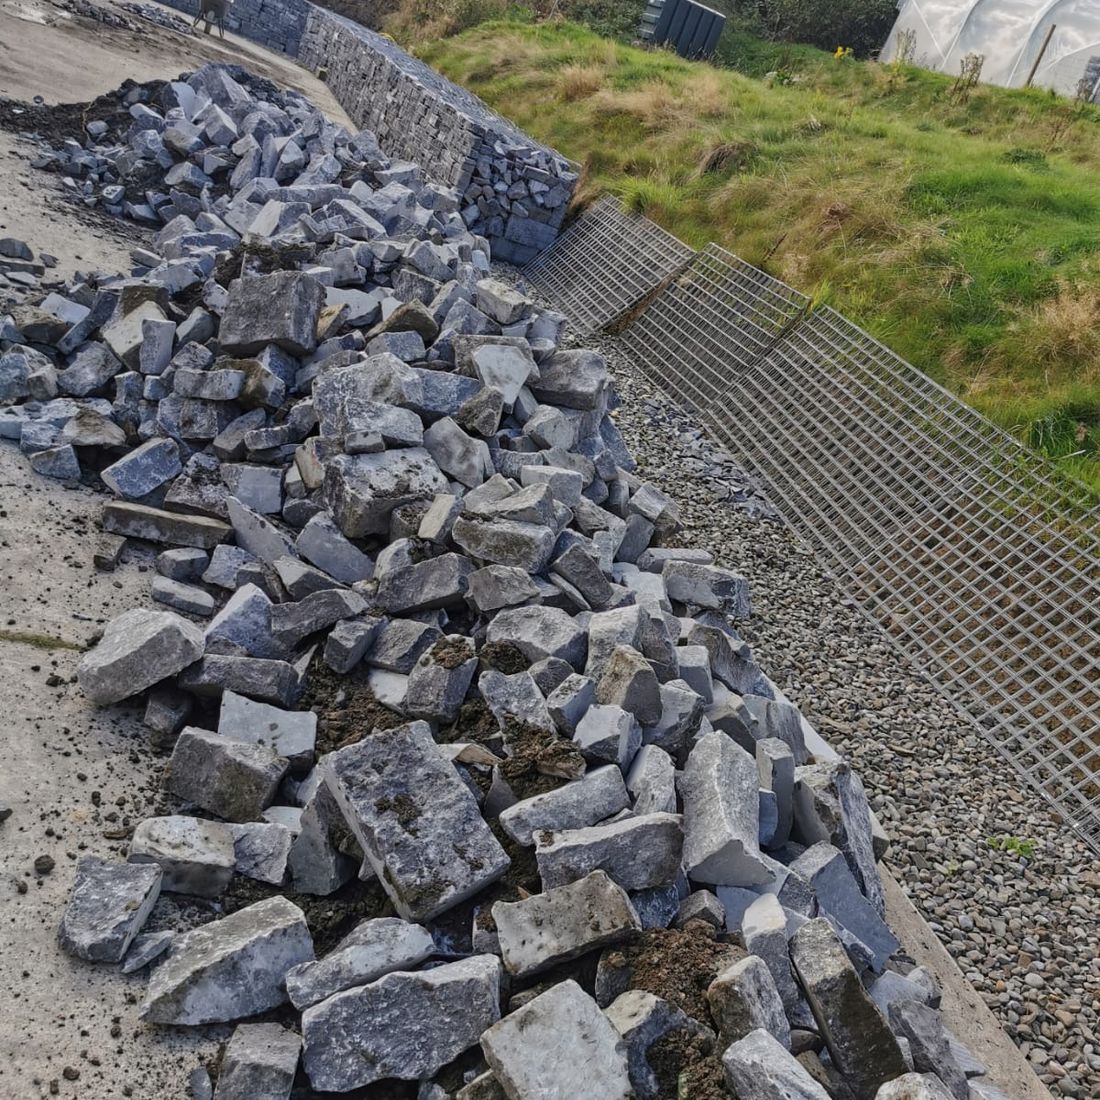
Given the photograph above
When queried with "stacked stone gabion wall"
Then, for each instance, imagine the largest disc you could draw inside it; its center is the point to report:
(513, 191)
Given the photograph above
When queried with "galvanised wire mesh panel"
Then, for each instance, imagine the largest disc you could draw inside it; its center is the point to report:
(604, 263)
(719, 316)
(971, 550)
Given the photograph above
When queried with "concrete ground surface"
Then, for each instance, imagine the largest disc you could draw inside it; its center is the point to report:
(77, 776)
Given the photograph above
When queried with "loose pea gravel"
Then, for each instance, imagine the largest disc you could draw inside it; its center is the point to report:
(1023, 931)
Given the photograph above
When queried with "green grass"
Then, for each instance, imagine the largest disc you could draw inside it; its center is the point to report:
(963, 232)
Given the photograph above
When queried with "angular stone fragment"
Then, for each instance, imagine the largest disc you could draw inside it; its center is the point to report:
(839, 896)
(570, 700)
(860, 1043)
(107, 907)
(137, 521)
(776, 767)
(701, 905)
(243, 626)
(361, 491)
(707, 586)
(322, 543)
(598, 795)
(505, 368)
(425, 586)
(558, 1045)
(259, 1063)
(572, 380)
(138, 649)
(831, 805)
(764, 930)
(608, 734)
(272, 681)
(440, 679)
(652, 781)
(371, 950)
(515, 699)
(639, 853)
(744, 998)
(281, 308)
(187, 598)
(349, 641)
(145, 948)
(926, 1086)
(394, 782)
(196, 856)
(257, 534)
(232, 779)
(758, 1067)
(400, 643)
(405, 1025)
(562, 924)
(292, 623)
(643, 1019)
(229, 968)
(540, 632)
(316, 863)
(893, 988)
(628, 681)
(261, 848)
(923, 1028)
(722, 815)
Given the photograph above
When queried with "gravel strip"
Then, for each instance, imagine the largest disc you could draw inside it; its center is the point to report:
(1024, 931)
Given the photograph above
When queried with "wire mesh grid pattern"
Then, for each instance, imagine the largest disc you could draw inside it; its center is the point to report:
(605, 262)
(972, 551)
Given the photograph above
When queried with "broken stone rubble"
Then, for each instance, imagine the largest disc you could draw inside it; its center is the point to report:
(446, 512)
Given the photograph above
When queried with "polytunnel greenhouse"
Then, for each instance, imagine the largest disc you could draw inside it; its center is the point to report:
(1048, 43)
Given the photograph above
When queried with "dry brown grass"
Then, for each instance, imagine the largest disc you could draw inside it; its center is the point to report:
(579, 82)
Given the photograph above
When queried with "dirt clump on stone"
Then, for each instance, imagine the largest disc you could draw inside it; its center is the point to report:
(678, 964)
(503, 657)
(686, 1065)
(346, 708)
(538, 762)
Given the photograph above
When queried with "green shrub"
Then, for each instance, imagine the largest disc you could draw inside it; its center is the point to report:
(860, 24)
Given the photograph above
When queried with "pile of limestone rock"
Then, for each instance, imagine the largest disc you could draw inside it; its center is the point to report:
(365, 458)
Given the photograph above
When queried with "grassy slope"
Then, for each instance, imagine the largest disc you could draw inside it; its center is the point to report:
(963, 234)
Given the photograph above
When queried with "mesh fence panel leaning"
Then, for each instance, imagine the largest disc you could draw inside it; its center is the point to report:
(974, 552)
(604, 263)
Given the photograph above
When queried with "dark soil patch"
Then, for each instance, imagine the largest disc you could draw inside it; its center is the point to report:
(329, 918)
(476, 722)
(453, 652)
(346, 708)
(687, 1066)
(678, 964)
(539, 762)
(504, 657)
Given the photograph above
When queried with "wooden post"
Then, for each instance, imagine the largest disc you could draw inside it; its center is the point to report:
(1035, 67)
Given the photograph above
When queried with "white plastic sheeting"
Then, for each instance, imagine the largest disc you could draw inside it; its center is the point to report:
(1009, 34)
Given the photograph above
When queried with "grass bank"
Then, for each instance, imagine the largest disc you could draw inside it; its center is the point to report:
(962, 230)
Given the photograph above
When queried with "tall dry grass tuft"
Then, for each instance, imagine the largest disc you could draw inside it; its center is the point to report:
(579, 82)
(1063, 333)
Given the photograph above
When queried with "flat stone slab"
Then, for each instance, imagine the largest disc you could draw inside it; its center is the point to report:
(562, 924)
(417, 822)
(371, 950)
(558, 1045)
(600, 794)
(196, 856)
(639, 853)
(291, 733)
(137, 521)
(138, 649)
(107, 907)
(229, 968)
(405, 1025)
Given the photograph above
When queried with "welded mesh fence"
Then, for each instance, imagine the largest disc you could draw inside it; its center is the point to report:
(604, 263)
(975, 553)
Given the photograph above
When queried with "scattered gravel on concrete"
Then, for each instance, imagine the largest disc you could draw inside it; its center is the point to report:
(1025, 932)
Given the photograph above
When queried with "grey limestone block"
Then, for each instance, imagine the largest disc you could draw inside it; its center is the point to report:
(107, 907)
